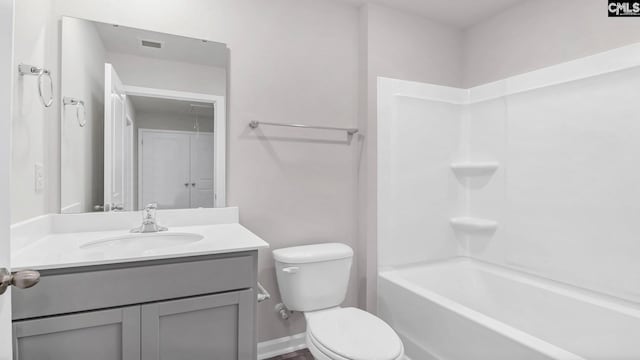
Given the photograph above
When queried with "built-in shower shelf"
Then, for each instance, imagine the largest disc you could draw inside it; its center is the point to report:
(476, 168)
(471, 224)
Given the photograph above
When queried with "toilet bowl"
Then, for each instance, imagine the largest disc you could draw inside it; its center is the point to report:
(314, 279)
(351, 334)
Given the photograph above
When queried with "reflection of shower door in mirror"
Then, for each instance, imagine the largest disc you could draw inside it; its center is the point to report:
(118, 145)
(176, 169)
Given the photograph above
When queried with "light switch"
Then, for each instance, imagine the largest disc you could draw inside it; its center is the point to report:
(39, 177)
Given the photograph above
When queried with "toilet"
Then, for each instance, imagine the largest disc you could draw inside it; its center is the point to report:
(313, 279)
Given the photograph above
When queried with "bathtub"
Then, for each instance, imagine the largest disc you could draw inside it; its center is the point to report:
(462, 309)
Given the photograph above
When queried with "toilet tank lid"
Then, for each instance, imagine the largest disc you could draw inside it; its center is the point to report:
(312, 253)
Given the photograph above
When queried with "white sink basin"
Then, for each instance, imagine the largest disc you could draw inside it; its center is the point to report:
(143, 242)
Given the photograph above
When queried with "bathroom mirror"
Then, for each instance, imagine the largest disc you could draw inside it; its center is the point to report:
(143, 119)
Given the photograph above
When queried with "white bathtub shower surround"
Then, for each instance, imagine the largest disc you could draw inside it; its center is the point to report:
(417, 161)
(530, 174)
(473, 310)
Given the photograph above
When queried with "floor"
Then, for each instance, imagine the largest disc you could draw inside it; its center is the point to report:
(298, 355)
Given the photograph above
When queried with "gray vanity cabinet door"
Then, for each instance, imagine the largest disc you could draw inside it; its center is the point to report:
(214, 327)
(97, 335)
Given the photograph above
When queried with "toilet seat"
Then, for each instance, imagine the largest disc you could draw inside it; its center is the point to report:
(319, 352)
(352, 334)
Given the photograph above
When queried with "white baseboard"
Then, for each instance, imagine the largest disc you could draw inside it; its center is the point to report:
(271, 348)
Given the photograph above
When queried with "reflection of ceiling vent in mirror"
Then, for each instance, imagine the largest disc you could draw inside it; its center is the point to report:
(151, 44)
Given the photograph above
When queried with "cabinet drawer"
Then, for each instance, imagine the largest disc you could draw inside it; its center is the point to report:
(66, 291)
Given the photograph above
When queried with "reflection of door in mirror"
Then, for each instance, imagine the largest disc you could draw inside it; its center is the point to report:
(175, 151)
(176, 168)
(202, 170)
(118, 150)
(132, 80)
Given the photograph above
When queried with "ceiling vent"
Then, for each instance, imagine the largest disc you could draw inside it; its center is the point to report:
(151, 44)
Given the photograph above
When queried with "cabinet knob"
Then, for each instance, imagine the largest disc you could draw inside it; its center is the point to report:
(21, 279)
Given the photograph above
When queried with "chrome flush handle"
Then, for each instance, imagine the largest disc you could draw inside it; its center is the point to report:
(291, 269)
(21, 279)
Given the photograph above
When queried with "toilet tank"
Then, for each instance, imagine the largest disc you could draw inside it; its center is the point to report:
(313, 277)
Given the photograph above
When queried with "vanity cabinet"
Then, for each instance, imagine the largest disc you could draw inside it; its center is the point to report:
(194, 308)
(97, 335)
(211, 327)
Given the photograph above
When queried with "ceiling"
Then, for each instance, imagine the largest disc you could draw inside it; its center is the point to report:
(172, 107)
(458, 13)
(126, 40)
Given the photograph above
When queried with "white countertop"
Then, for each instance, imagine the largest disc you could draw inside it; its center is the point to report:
(64, 250)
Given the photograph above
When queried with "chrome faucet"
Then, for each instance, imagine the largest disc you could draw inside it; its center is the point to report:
(149, 223)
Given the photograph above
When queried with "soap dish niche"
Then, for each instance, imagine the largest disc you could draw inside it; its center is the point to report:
(474, 168)
(473, 225)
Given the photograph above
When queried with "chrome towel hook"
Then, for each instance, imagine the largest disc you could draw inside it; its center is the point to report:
(80, 109)
(40, 73)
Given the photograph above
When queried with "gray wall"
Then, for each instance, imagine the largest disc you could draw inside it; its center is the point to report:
(410, 47)
(31, 122)
(540, 33)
